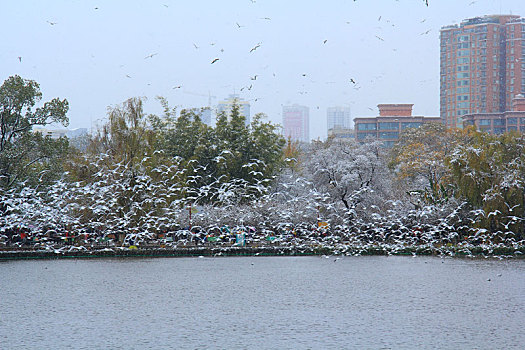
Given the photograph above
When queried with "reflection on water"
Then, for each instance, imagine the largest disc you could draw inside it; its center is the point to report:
(263, 302)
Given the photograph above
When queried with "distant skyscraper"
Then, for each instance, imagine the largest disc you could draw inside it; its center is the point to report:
(482, 66)
(296, 123)
(226, 106)
(205, 115)
(338, 118)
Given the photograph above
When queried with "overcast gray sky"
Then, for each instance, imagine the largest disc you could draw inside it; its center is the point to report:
(99, 53)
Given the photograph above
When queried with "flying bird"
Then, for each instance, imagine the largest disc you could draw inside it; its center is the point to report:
(151, 55)
(195, 45)
(177, 87)
(238, 25)
(380, 38)
(428, 31)
(379, 18)
(52, 23)
(266, 18)
(352, 80)
(254, 77)
(324, 41)
(255, 47)
(215, 60)
(20, 58)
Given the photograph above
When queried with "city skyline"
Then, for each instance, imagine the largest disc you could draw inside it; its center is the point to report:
(347, 53)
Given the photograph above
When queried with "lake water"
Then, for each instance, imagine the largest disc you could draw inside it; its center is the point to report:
(263, 303)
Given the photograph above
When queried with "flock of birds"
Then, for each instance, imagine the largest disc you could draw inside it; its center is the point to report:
(352, 81)
(147, 210)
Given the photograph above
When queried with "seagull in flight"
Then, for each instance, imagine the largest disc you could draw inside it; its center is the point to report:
(151, 55)
(52, 23)
(215, 60)
(380, 38)
(255, 47)
(352, 81)
(20, 58)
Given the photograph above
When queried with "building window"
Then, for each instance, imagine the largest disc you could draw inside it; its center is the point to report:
(364, 135)
(498, 122)
(366, 126)
(389, 135)
(512, 128)
(405, 125)
(484, 122)
(499, 131)
(512, 121)
(388, 126)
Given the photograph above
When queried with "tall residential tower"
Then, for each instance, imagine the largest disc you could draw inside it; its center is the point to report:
(296, 123)
(482, 66)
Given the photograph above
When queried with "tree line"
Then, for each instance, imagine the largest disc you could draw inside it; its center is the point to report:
(143, 173)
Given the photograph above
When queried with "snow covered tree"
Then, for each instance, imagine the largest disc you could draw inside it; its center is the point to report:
(25, 155)
(489, 171)
(353, 174)
(418, 160)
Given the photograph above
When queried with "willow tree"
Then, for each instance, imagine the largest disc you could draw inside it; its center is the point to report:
(489, 171)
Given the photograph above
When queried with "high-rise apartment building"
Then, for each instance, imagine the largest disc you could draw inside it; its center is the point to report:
(205, 115)
(226, 106)
(296, 123)
(482, 66)
(338, 122)
(338, 118)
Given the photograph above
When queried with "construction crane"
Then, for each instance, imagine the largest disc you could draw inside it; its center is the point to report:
(209, 95)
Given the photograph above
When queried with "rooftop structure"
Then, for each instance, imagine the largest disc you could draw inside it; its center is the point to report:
(499, 123)
(392, 119)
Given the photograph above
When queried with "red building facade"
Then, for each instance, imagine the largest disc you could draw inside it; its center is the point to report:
(481, 66)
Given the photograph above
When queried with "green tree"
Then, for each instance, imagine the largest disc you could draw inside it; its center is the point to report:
(233, 160)
(489, 171)
(25, 155)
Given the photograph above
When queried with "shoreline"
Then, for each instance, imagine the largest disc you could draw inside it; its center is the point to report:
(80, 252)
